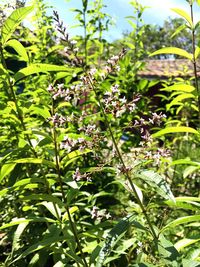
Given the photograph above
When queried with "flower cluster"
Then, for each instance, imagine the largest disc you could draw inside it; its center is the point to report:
(58, 120)
(71, 49)
(144, 125)
(99, 214)
(117, 105)
(78, 176)
(70, 144)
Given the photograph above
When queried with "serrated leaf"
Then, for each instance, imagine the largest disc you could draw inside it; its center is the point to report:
(156, 181)
(37, 68)
(172, 50)
(113, 237)
(184, 15)
(182, 220)
(19, 48)
(177, 129)
(13, 21)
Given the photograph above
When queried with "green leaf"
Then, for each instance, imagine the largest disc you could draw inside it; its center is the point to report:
(6, 169)
(43, 197)
(24, 220)
(34, 161)
(185, 242)
(156, 181)
(179, 87)
(52, 208)
(172, 50)
(16, 238)
(184, 15)
(167, 250)
(176, 100)
(113, 237)
(19, 48)
(177, 129)
(182, 220)
(47, 242)
(13, 21)
(37, 68)
(72, 156)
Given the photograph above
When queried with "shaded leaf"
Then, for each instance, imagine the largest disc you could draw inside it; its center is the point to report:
(113, 237)
(156, 181)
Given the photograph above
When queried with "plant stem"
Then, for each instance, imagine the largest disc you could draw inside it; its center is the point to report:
(72, 224)
(126, 174)
(194, 59)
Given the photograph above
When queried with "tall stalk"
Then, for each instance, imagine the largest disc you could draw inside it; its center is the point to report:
(126, 172)
(194, 58)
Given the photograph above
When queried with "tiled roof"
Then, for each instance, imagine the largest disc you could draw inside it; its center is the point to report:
(168, 68)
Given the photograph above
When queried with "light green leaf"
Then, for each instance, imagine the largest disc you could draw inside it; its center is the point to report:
(72, 156)
(197, 52)
(13, 21)
(37, 68)
(19, 48)
(24, 220)
(172, 50)
(113, 237)
(184, 15)
(71, 211)
(185, 242)
(34, 161)
(6, 170)
(185, 161)
(182, 220)
(179, 87)
(178, 129)
(52, 208)
(156, 181)
(185, 203)
(176, 100)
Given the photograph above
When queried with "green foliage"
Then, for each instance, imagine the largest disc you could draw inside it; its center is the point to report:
(86, 177)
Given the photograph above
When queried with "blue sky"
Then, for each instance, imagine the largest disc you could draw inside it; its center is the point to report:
(158, 11)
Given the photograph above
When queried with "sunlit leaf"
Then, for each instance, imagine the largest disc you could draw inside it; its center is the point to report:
(177, 129)
(37, 68)
(182, 220)
(19, 48)
(6, 170)
(185, 242)
(172, 50)
(184, 15)
(13, 21)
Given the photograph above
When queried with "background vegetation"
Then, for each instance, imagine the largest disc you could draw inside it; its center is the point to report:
(94, 171)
